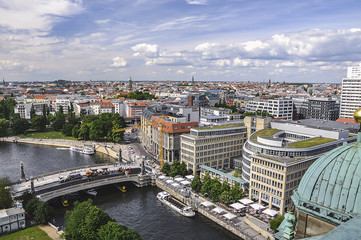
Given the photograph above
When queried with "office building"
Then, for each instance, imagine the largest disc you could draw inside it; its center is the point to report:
(351, 92)
(277, 107)
(212, 146)
(319, 108)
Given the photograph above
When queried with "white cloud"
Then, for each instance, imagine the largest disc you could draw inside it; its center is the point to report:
(222, 62)
(119, 62)
(102, 21)
(180, 71)
(144, 49)
(36, 15)
(197, 2)
(181, 23)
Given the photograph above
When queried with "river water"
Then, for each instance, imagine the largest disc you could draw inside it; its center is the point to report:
(137, 208)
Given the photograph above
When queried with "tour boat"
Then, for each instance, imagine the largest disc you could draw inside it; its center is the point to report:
(92, 192)
(85, 150)
(88, 150)
(174, 204)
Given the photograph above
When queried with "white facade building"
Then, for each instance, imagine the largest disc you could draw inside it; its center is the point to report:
(278, 108)
(351, 92)
(12, 219)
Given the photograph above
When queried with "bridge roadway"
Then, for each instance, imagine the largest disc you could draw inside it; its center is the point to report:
(48, 186)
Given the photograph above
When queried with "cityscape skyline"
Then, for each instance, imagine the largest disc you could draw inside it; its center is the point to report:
(312, 41)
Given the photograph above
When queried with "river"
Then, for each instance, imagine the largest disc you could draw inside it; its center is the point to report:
(137, 208)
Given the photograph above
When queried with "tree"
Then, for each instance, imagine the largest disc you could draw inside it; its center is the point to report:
(20, 125)
(196, 184)
(31, 207)
(114, 231)
(59, 120)
(236, 192)
(67, 129)
(237, 173)
(6, 200)
(42, 213)
(4, 125)
(32, 111)
(75, 131)
(84, 131)
(38, 123)
(215, 189)
(206, 185)
(25, 198)
(225, 187)
(225, 197)
(275, 223)
(84, 221)
(166, 168)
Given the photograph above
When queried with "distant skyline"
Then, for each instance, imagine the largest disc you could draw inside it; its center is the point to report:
(231, 40)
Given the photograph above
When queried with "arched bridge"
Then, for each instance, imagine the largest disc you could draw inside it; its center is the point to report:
(52, 185)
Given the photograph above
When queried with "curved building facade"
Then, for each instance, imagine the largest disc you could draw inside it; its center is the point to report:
(274, 160)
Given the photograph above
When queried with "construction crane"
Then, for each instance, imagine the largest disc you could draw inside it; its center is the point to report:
(160, 128)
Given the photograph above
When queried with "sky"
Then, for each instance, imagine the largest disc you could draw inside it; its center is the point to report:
(213, 40)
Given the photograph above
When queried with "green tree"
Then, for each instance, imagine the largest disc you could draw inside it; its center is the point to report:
(237, 173)
(275, 223)
(75, 131)
(32, 111)
(31, 207)
(84, 131)
(225, 197)
(38, 123)
(166, 168)
(6, 200)
(215, 189)
(206, 185)
(42, 213)
(67, 129)
(20, 125)
(25, 198)
(225, 187)
(114, 231)
(84, 221)
(7, 108)
(59, 120)
(196, 184)
(236, 192)
(4, 125)
(117, 136)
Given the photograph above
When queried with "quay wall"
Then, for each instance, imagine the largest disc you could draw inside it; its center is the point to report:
(256, 227)
(63, 143)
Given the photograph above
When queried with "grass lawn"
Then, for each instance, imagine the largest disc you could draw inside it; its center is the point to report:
(266, 133)
(27, 234)
(46, 135)
(311, 142)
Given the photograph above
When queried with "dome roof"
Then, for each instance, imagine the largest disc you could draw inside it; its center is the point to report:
(334, 180)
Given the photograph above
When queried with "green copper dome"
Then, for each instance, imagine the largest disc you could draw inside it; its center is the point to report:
(331, 187)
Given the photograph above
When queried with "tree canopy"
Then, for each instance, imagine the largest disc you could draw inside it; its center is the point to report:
(5, 197)
(87, 221)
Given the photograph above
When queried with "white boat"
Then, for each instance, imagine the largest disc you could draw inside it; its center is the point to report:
(85, 150)
(76, 149)
(174, 204)
(92, 192)
(88, 150)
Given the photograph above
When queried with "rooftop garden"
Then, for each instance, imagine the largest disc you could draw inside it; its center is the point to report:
(266, 133)
(311, 142)
(222, 126)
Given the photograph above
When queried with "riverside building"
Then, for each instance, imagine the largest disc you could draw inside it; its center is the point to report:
(214, 147)
(275, 159)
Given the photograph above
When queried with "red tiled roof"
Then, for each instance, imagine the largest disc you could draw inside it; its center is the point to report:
(175, 127)
(346, 120)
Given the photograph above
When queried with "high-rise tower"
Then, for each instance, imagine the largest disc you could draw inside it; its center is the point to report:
(351, 92)
(130, 84)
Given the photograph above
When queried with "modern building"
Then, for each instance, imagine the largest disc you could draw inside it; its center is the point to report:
(274, 160)
(135, 109)
(212, 146)
(351, 92)
(12, 219)
(256, 123)
(319, 108)
(277, 107)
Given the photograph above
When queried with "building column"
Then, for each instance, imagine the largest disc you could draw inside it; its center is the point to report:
(259, 198)
(270, 202)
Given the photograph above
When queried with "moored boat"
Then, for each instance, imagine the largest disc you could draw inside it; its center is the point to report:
(85, 150)
(92, 192)
(76, 149)
(88, 150)
(174, 204)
